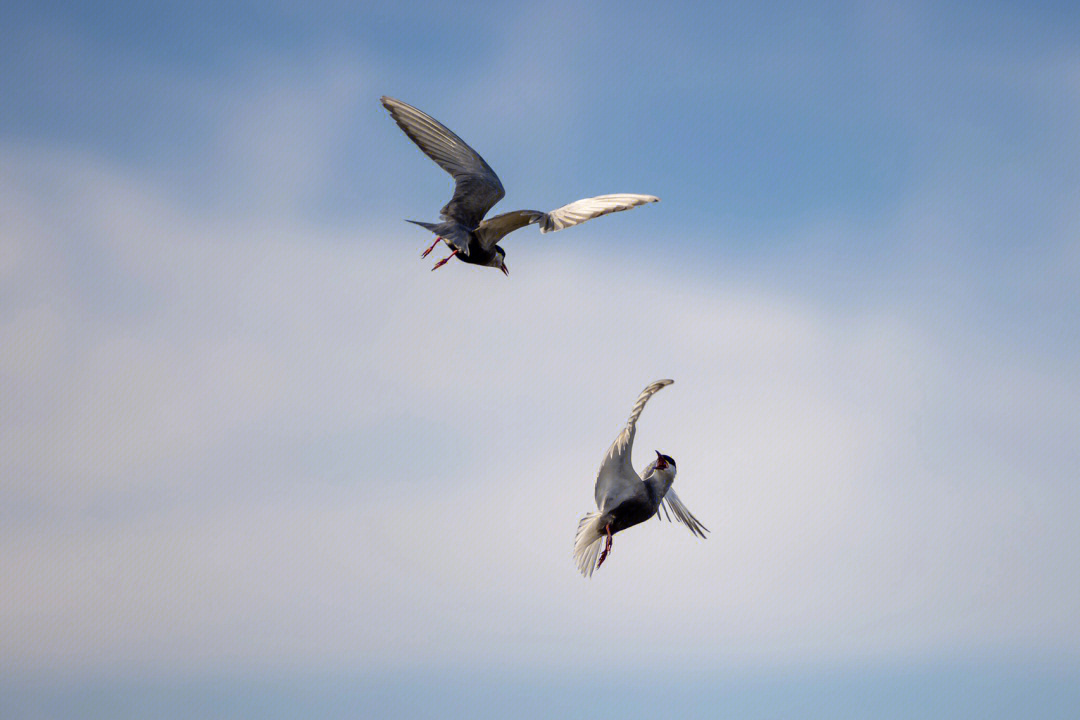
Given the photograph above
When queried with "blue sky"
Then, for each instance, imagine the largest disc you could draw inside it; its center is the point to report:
(256, 455)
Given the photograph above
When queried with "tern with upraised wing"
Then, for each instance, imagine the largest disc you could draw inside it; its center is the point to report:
(477, 188)
(624, 498)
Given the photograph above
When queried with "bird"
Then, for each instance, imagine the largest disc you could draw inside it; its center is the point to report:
(477, 189)
(624, 498)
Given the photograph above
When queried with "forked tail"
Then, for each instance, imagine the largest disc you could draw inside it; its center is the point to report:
(457, 236)
(587, 543)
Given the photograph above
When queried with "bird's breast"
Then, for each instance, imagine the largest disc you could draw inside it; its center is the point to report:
(630, 513)
(478, 255)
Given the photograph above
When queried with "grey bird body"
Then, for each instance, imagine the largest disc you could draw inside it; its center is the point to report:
(624, 498)
(473, 250)
(476, 190)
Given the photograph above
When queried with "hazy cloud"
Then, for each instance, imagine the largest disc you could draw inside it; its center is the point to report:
(302, 447)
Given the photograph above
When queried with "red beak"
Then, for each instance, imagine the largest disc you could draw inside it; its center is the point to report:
(661, 463)
(505, 271)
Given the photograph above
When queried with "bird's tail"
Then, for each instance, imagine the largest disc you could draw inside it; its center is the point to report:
(587, 543)
(456, 235)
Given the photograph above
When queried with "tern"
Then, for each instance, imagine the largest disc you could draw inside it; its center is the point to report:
(476, 190)
(624, 499)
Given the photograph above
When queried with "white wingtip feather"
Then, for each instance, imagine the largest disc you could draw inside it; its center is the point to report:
(588, 208)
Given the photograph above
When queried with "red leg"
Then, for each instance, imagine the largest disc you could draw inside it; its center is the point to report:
(428, 251)
(444, 261)
(607, 547)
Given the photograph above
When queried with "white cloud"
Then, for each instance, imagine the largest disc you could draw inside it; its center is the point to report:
(286, 445)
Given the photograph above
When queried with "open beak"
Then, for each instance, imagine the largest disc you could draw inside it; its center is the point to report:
(661, 463)
(505, 271)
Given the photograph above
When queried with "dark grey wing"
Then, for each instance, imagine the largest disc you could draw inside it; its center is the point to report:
(581, 210)
(616, 479)
(494, 229)
(672, 505)
(477, 188)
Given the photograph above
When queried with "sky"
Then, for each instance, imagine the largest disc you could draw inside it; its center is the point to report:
(259, 461)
